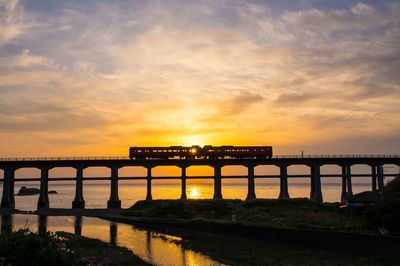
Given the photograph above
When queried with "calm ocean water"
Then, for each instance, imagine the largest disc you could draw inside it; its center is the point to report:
(97, 193)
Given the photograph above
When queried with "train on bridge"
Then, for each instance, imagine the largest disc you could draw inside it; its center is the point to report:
(197, 152)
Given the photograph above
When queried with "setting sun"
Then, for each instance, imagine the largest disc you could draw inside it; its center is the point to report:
(193, 140)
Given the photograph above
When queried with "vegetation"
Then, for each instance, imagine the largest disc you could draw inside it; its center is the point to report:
(294, 213)
(95, 252)
(244, 250)
(27, 248)
(387, 212)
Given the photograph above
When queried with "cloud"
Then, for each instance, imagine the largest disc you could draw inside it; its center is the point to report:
(14, 21)
(244, 72)
(297, 98)
(239, 103)
(26, 60)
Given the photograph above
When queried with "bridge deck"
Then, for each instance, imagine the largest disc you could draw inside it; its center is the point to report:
(107, 158)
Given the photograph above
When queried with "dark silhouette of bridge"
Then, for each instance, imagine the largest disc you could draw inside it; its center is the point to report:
(10, 165)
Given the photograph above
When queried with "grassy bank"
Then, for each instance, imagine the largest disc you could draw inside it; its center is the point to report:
(387, 213)
(96, 252)
(27, 248)
(294, 213)
(266, 232)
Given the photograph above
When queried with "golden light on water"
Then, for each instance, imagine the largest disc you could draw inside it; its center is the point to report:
(194, 193)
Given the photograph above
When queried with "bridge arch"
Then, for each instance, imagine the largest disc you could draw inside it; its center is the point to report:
(132, 171)
(267, 187)
(331, 181)
(236, 187)
(299, 180)
(26, 202)
(390, 171)
(96, 186)
(164, 182)
(358, 174)
(200, 188)
(200, 170)
(65, 188)
(131, 184)
(27, 172)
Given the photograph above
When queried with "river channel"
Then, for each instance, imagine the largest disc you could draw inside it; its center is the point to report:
(153, 247)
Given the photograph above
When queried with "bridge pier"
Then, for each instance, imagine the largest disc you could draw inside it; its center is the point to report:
(79, 202)
(316, 193)
(42, 225)
(349, 182)
(7, 199)
(374, 177)
(380, 179)
(251, 193)
(183, 185)
(114, 202)
(78, 225)
(6, 224)
(217, 182)
(43, 202)
(343, 196)
(284, 192)
(148, 195)
(113, 233)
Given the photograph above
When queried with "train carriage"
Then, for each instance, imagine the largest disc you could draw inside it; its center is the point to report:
(237, 152)
(143, 153)
(197, 152)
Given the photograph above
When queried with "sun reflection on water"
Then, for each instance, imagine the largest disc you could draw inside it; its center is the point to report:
(194, 193)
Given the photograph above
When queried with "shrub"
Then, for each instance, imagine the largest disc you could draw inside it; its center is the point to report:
(27, 248)
(387, 212)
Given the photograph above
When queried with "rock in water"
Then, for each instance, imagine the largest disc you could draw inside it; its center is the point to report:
(24, 191)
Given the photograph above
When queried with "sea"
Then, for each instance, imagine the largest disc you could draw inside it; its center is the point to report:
(96, 193)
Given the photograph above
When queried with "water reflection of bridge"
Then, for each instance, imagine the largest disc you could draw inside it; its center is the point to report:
(7, 226)
(314, 163)
(156, 247)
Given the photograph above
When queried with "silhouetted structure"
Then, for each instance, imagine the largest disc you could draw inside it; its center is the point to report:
(42, 224)
(197, 152)
(113, 233)
(9, 166)
(78, 225)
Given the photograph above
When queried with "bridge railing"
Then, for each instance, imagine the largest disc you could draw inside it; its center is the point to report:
(80, 158)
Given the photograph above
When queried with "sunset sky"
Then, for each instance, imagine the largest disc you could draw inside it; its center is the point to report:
(95, 77)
